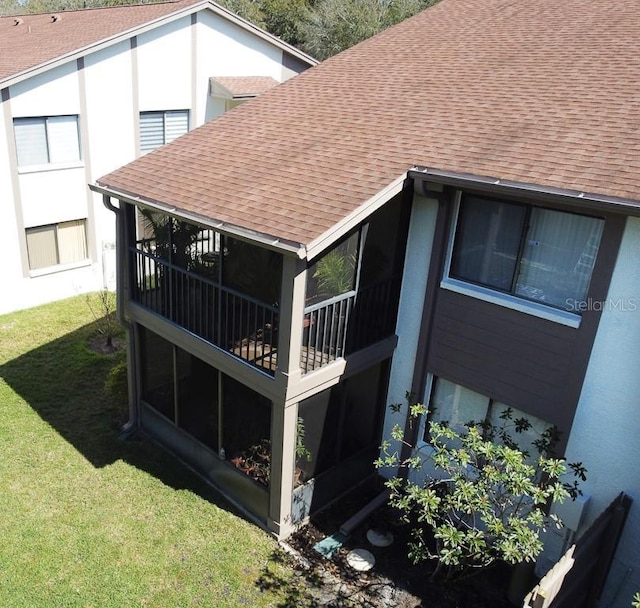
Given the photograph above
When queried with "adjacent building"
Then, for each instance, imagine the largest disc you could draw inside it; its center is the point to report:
(84, 92)
(450, 208)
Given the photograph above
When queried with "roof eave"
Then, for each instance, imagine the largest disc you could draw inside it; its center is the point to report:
(264, 240)
(494, 185)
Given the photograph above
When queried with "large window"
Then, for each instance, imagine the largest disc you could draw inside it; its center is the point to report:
(458, 406)
(538, 254)
(159, 128)
(47, 140)
(54, 244)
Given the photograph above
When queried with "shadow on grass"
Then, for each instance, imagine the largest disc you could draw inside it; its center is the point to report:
(63, 381)
(298, 592)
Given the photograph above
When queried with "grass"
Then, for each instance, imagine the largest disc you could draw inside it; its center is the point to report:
(87, 519)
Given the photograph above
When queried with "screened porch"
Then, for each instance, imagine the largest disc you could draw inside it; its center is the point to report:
(227, 291)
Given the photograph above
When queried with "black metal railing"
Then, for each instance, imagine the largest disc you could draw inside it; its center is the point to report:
(347, 323)
(324, 338)
(226, 318)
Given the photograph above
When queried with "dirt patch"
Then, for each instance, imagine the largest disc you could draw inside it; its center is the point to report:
(98, 344)
(394, 582)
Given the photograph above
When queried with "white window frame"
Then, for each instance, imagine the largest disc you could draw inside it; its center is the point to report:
(43, 270)
(486, 294)
(145, 148)
(52, 145)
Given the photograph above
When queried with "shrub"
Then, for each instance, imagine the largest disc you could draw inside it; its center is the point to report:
(487, 500)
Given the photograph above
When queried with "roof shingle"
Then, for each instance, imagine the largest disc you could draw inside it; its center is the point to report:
(534, 91)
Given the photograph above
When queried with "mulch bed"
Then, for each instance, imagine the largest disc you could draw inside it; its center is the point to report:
(394, 582)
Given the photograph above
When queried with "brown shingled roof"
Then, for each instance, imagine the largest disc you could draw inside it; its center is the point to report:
(535, 91)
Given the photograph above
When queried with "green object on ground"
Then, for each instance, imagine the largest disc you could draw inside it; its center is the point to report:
(329, 545)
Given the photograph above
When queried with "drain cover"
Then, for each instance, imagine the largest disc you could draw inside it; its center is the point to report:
(329, 545)
(361, 560)
(379, 538)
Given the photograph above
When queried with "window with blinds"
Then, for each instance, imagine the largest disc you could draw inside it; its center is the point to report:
(56, 244)
(159, 128)
(48, 140)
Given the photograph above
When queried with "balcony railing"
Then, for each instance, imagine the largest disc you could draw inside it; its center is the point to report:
(241, 325)
(248, 328)
(342, 325)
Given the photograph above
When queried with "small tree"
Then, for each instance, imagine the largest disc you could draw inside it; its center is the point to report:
(487, 499)
(103, 308)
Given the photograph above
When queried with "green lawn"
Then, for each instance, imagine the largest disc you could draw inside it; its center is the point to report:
(87, 519)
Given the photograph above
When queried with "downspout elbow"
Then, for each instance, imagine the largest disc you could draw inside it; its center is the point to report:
(106, 201)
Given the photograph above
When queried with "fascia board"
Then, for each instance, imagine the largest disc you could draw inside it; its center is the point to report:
(337, 231)
(150, 25)
(494, 185)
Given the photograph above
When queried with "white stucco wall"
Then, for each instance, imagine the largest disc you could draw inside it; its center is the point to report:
(164, 67)
(168, 70)
(606, 433)
(52, 93)
(233, 51)
(109, 92)
(46, 195)
(414, 285)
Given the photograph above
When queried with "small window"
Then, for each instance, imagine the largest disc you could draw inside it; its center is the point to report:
(159, 128)
(49, 140)
(64, 243)
(537, 254)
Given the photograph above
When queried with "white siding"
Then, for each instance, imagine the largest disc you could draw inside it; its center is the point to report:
(53, 196)
(52, 93)
(164, 73)
(605, 433)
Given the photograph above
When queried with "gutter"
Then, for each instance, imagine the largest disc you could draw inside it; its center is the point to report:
(494, 185)
(244, 234)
